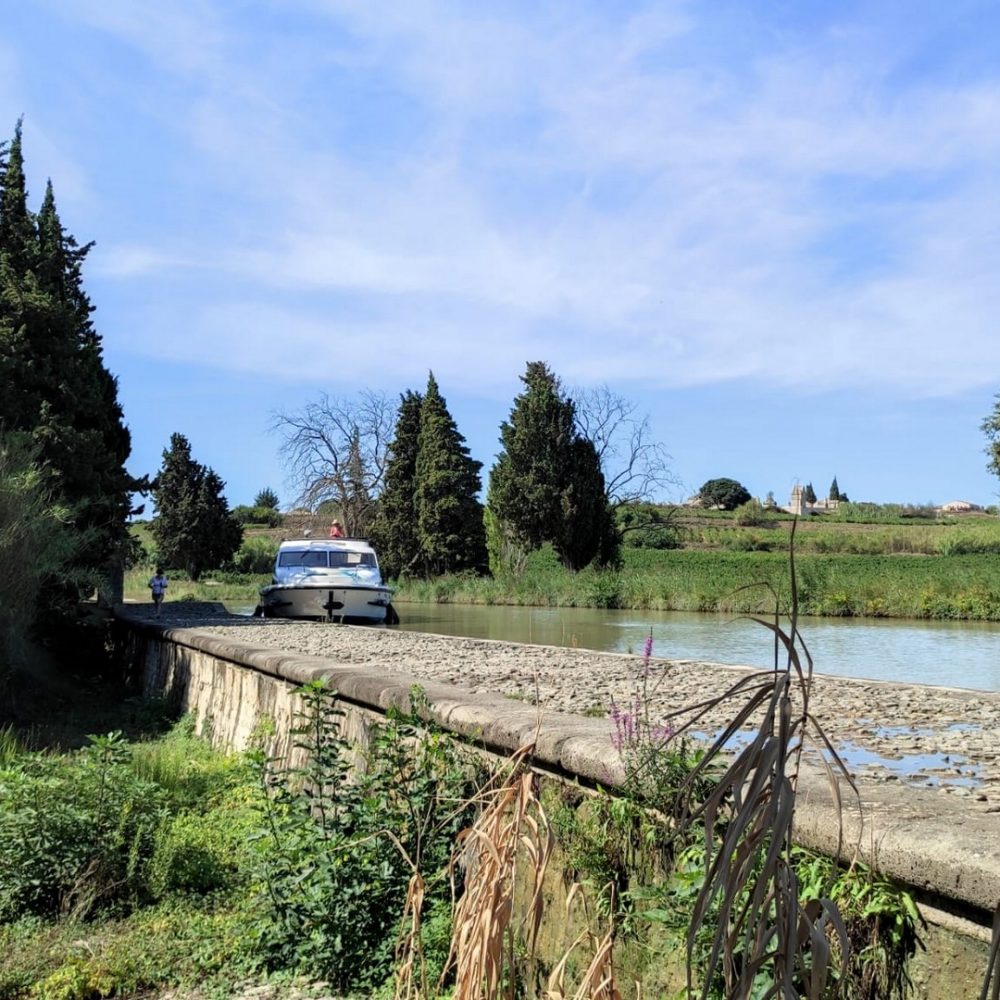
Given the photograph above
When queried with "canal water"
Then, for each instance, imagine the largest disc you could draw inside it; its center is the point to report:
(957, 654)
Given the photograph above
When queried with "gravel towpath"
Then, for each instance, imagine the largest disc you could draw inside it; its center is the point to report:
(947, 739)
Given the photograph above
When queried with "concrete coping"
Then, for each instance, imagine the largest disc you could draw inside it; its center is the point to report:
(941, 847)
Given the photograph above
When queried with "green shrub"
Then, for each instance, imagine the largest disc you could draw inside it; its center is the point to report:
(75, 831)
(604, 591)
(266, 498)
(333, 883)
(267, 516)
(648, 526)
(255, 555)
(185, 767)
(751, 514)
(176, 944)
(35, 544)
(194, 853)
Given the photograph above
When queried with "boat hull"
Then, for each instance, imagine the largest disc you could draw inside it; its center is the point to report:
(329, 601)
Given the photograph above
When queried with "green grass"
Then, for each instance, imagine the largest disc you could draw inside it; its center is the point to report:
(904, 586)
(230, 587)
(156, 837)
(893, 565)
(129, 868)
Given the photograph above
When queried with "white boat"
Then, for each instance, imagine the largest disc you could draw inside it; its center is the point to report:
(336, 579)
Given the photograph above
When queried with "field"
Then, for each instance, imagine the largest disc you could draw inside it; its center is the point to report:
(942, 569)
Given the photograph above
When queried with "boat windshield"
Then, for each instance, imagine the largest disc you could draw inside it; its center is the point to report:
(319, 558)
(302, 559)
(352, 559)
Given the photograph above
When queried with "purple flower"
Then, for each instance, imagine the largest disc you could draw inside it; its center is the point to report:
(660, 734)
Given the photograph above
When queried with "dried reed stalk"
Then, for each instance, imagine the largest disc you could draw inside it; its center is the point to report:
(598, 981)
(409, 946)
(992, 992)
(512, 825)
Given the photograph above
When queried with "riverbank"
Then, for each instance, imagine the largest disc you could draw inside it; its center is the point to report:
(944, 739)
(944, 569)
(942, 587)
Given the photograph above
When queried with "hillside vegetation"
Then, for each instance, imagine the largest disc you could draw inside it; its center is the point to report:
(945, 568)
(915, 568)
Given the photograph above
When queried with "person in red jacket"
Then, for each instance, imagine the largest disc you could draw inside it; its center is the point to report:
(336, 530)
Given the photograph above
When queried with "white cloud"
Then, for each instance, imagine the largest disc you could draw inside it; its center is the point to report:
(632, 200)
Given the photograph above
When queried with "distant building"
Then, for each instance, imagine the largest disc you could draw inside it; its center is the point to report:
(798, 506)
(959, 507)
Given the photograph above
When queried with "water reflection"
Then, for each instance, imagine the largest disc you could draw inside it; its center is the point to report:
(957, 654)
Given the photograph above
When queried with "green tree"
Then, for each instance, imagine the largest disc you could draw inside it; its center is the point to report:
(586, 530)
(449, 516)
(834, 493)
(357, 506)
(193, 528)
(809, 494)
(36, 545)
(395, 531)
(266, 498)
(18, 239)
(56, 386)
(546, 485)
(991, 428)
(725, 493)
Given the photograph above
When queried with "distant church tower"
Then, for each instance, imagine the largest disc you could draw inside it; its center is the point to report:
(796, 505)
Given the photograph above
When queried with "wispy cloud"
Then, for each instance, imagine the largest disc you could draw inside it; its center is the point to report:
(675, 197)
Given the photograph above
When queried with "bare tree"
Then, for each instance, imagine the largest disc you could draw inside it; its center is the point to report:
(334, 450)
(636, 468)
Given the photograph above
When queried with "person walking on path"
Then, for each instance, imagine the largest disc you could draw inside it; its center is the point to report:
(158, 586)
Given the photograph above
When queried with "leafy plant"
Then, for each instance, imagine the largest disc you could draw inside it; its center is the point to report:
(255, 555)
(341, 849)
(75, 832)
(244, 515)
(763, 936)
(35, 544)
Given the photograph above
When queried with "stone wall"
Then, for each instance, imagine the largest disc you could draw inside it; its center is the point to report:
(946, 854)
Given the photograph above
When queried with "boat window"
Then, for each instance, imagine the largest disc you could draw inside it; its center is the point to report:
(352, 559)
(302, 559)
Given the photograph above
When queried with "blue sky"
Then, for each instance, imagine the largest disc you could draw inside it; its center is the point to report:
(775, 226)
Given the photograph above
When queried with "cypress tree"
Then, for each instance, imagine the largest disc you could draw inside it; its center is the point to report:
(834, 493)
(94, 441)
(527, 480)
(585, 530)
(57, 389)
(17, 225)
(193, 528)
(357, 504)
(546, 485)
(395, 533)
(20, 361)
(449, 517)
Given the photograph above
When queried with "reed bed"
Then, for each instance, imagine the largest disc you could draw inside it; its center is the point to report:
(876, 586)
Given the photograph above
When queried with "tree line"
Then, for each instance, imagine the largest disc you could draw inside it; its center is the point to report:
(402, 475)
